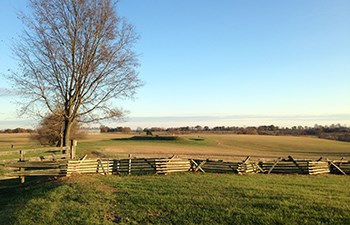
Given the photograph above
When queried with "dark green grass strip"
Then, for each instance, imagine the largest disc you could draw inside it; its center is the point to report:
(181, 199)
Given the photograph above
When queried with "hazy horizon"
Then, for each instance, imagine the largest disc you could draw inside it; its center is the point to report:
(210, 121)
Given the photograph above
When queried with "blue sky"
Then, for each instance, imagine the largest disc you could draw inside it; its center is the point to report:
(228, 62)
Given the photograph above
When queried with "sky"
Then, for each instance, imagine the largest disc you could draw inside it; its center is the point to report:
(225, 63)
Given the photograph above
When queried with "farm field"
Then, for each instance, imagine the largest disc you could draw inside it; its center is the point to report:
(213, 146)
(17, 141)
(181, 199)
(217, 146)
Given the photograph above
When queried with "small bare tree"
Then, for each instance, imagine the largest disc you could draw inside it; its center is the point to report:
(76, 56)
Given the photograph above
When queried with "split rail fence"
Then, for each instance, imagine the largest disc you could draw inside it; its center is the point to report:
(293, 166)
(65, 166)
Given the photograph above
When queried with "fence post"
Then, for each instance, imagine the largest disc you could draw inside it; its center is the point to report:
(129, 167)
(107, 166)
(22, 178)
(73, 148)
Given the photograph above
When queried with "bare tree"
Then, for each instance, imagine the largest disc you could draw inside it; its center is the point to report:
(76, 56)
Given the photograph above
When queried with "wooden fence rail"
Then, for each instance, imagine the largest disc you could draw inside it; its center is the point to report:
(219, 166)
(52, 153)
(151, 165)
(36, 168)
(172, 165)
(90, 166)
(138, 166)
(46, 153)
(293, 166)
(318, 168)
(340, 167)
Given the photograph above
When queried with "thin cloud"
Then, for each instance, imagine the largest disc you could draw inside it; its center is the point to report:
(7, 92)
(238, 120)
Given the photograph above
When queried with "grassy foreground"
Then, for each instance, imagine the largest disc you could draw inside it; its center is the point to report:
(181, 199)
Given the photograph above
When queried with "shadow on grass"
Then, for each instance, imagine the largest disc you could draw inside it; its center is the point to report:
(11, 185)
(197, 139)
(149, 138)
(15, 196)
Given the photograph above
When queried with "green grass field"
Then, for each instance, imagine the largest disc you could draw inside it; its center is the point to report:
(181, 199)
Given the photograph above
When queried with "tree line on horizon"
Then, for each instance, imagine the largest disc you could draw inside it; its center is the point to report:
(17, 130)
(50, 133)
(333, 132)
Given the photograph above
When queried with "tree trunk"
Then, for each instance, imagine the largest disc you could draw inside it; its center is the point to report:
(67, 132)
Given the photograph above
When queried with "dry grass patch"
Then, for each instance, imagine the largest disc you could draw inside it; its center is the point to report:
(16, 141)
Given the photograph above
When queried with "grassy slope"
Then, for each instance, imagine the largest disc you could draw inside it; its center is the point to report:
(181, 199)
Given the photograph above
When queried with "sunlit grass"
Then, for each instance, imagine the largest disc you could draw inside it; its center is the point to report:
(181, 199)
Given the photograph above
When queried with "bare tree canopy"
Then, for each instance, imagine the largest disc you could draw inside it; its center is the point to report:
(75, 56)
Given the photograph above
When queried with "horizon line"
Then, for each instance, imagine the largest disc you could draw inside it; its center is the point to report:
(208, 120)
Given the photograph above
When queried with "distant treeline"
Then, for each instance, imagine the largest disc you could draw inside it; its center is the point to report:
(333, 132)
(17, 130)
(105, 129)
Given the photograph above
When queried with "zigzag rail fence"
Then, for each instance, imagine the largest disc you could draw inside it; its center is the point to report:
(63, 163)
(49, 161)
